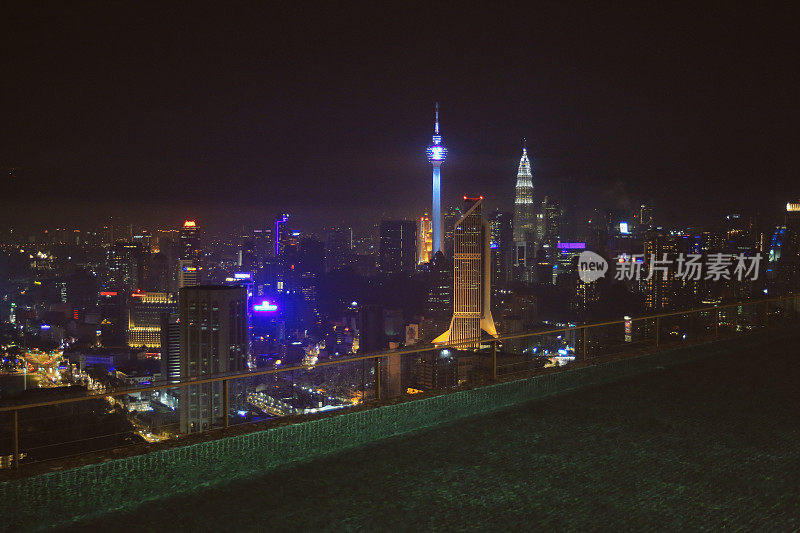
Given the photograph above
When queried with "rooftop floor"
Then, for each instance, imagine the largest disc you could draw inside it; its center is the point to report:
(709, 444)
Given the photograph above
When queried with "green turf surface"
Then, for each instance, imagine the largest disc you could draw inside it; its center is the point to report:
(710, 444)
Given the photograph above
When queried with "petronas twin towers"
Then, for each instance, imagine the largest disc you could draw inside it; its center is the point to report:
(524, 212)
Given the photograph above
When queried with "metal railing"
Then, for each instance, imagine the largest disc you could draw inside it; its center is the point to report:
(33, 429)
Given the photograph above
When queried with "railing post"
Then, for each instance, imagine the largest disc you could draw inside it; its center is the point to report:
(225, 404)
(494, 360)
(377, 378)
(658, 331)
(16, 438)
(363, 380)
(583, 341)
(796, 307)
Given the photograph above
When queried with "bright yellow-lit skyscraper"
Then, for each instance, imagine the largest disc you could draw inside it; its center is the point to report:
(425, 236)
(471, 279)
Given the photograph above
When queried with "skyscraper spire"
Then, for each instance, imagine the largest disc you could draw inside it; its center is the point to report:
(436, 156)
(524, 216)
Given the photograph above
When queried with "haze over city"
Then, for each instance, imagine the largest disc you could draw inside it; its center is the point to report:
(152, 114)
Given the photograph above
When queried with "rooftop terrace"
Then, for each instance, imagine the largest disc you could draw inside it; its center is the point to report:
(711, 443)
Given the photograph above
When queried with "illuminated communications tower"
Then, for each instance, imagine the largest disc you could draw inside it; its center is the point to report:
(436, 156)
(524, 216)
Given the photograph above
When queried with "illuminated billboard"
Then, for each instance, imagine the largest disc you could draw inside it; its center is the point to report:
(265, 307)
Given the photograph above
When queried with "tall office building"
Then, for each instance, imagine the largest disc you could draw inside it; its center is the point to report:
(471, 278)
(170, 347)
(643, 218)
(436, 156)
(338, 248)
(262, 238)
(189, 241)
(788, 247)
(144, 317)
(282, 233)
(440, 291)
(793, 225)
(552, 213)
(501, 244)
(524, 213)
(214, 339)
(425, 238)
(190, 264)
(188, 273)
(449, 219)
(398, 248)
(125, 262)
(660, 290)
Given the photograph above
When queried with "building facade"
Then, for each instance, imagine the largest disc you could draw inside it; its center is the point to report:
(144, 317)
(398, 247)
(471, 279)
(214, 340)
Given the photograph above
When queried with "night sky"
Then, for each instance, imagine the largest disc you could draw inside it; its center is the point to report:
(230, 112)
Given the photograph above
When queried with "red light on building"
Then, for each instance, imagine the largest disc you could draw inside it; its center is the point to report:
(75, 314)
(108, 293)
(190, 224)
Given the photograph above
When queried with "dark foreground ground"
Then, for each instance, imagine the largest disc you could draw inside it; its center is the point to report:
(710, 444)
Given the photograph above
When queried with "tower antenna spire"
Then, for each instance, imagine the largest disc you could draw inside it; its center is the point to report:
(436, 124)
(524, 144)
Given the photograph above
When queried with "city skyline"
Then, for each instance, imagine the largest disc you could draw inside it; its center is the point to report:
(240, 251)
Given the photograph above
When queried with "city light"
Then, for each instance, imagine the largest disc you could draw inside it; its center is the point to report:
(437, 153)
(265, 307)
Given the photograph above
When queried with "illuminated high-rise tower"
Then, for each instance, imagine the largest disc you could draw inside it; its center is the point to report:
(190, 263)
(472, 279)
(436, 156)
(425, 238)
(524, 215)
